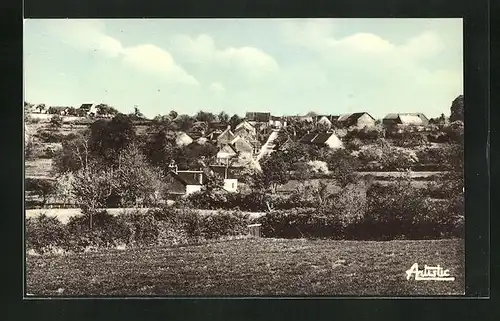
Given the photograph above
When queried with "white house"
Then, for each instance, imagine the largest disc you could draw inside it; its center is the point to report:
(228, 174)
(225, 154)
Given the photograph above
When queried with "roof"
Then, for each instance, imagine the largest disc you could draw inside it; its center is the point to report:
(307, 138)
(410, 119)
(228, 149)
(189, 177)
(244, 124)
(258, 116)
(221, 170)
(86, 106)
(396, 115)
(321, 138)
(184, 178)
(352, 117)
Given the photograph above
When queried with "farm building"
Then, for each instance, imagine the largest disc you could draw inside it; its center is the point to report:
(287, 144)
(258, 117)
(359, 120)
(330, 140)
(183, 139)
(405, 119)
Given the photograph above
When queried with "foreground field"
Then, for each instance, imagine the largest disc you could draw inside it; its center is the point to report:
(251, 267)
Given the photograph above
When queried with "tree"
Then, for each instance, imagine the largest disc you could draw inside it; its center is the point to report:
(311, 114)
(75, 153)
(108, 138)
(344, 166)
(205, 116)
(91, 187)
(138, 114)
(234, 121)
(457, 109)
(160, 149)
(41, 107)
(223, 117)
(135, 179)
(173, 114)
(184, 122)
(275, 171)
(104, 109)
(56, 121)
(42, 187)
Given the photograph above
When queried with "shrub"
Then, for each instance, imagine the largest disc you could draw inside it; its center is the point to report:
(50, 136)
(143, 228)
(354, 144)
(224, 224)
(44, 233)
(106, 231)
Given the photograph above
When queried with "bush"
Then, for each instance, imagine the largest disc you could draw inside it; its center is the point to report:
(107, 231)
(354, 144)
(397, 211)
(44, 234)
(224, 223)
(50, 136)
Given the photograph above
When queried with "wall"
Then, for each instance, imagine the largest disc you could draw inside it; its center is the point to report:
(231, 185)
(334, 142)
(192, 188)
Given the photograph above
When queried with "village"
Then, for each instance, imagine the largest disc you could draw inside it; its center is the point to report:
(245, 142)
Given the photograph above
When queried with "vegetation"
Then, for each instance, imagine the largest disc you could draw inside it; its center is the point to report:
(250, 267)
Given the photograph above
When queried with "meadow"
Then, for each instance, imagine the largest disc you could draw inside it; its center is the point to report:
(251, 267)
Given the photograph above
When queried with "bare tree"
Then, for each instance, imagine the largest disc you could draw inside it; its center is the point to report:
(91, 187)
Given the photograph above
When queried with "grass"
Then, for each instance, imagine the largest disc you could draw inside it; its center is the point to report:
(40, 167)
(251, 267)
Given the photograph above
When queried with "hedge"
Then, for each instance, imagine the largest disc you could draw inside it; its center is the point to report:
(163, 226)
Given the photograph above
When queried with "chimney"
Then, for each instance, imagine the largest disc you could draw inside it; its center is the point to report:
(201, 178)
(228, 127)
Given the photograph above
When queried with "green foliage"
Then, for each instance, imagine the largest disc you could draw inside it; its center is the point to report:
(184, 122)
(205, 117)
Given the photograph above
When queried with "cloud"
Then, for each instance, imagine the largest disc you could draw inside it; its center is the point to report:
(147, 58)
(249, 61)
(217, 87)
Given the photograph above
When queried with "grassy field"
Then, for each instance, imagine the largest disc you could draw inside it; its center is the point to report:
(251, 267)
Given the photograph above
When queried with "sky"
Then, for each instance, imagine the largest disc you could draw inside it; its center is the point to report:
(282, 66)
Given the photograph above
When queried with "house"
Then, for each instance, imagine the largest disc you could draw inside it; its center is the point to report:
(225, 154)
(182, 139)
(326, 120)
(225, 137)
(243, 147)
(359, 120)
(405, 119)
(245, 127)
(181, 183)
(258, 117)
(328, 139)
(88, 110)
(229, 175)
(277, 122)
